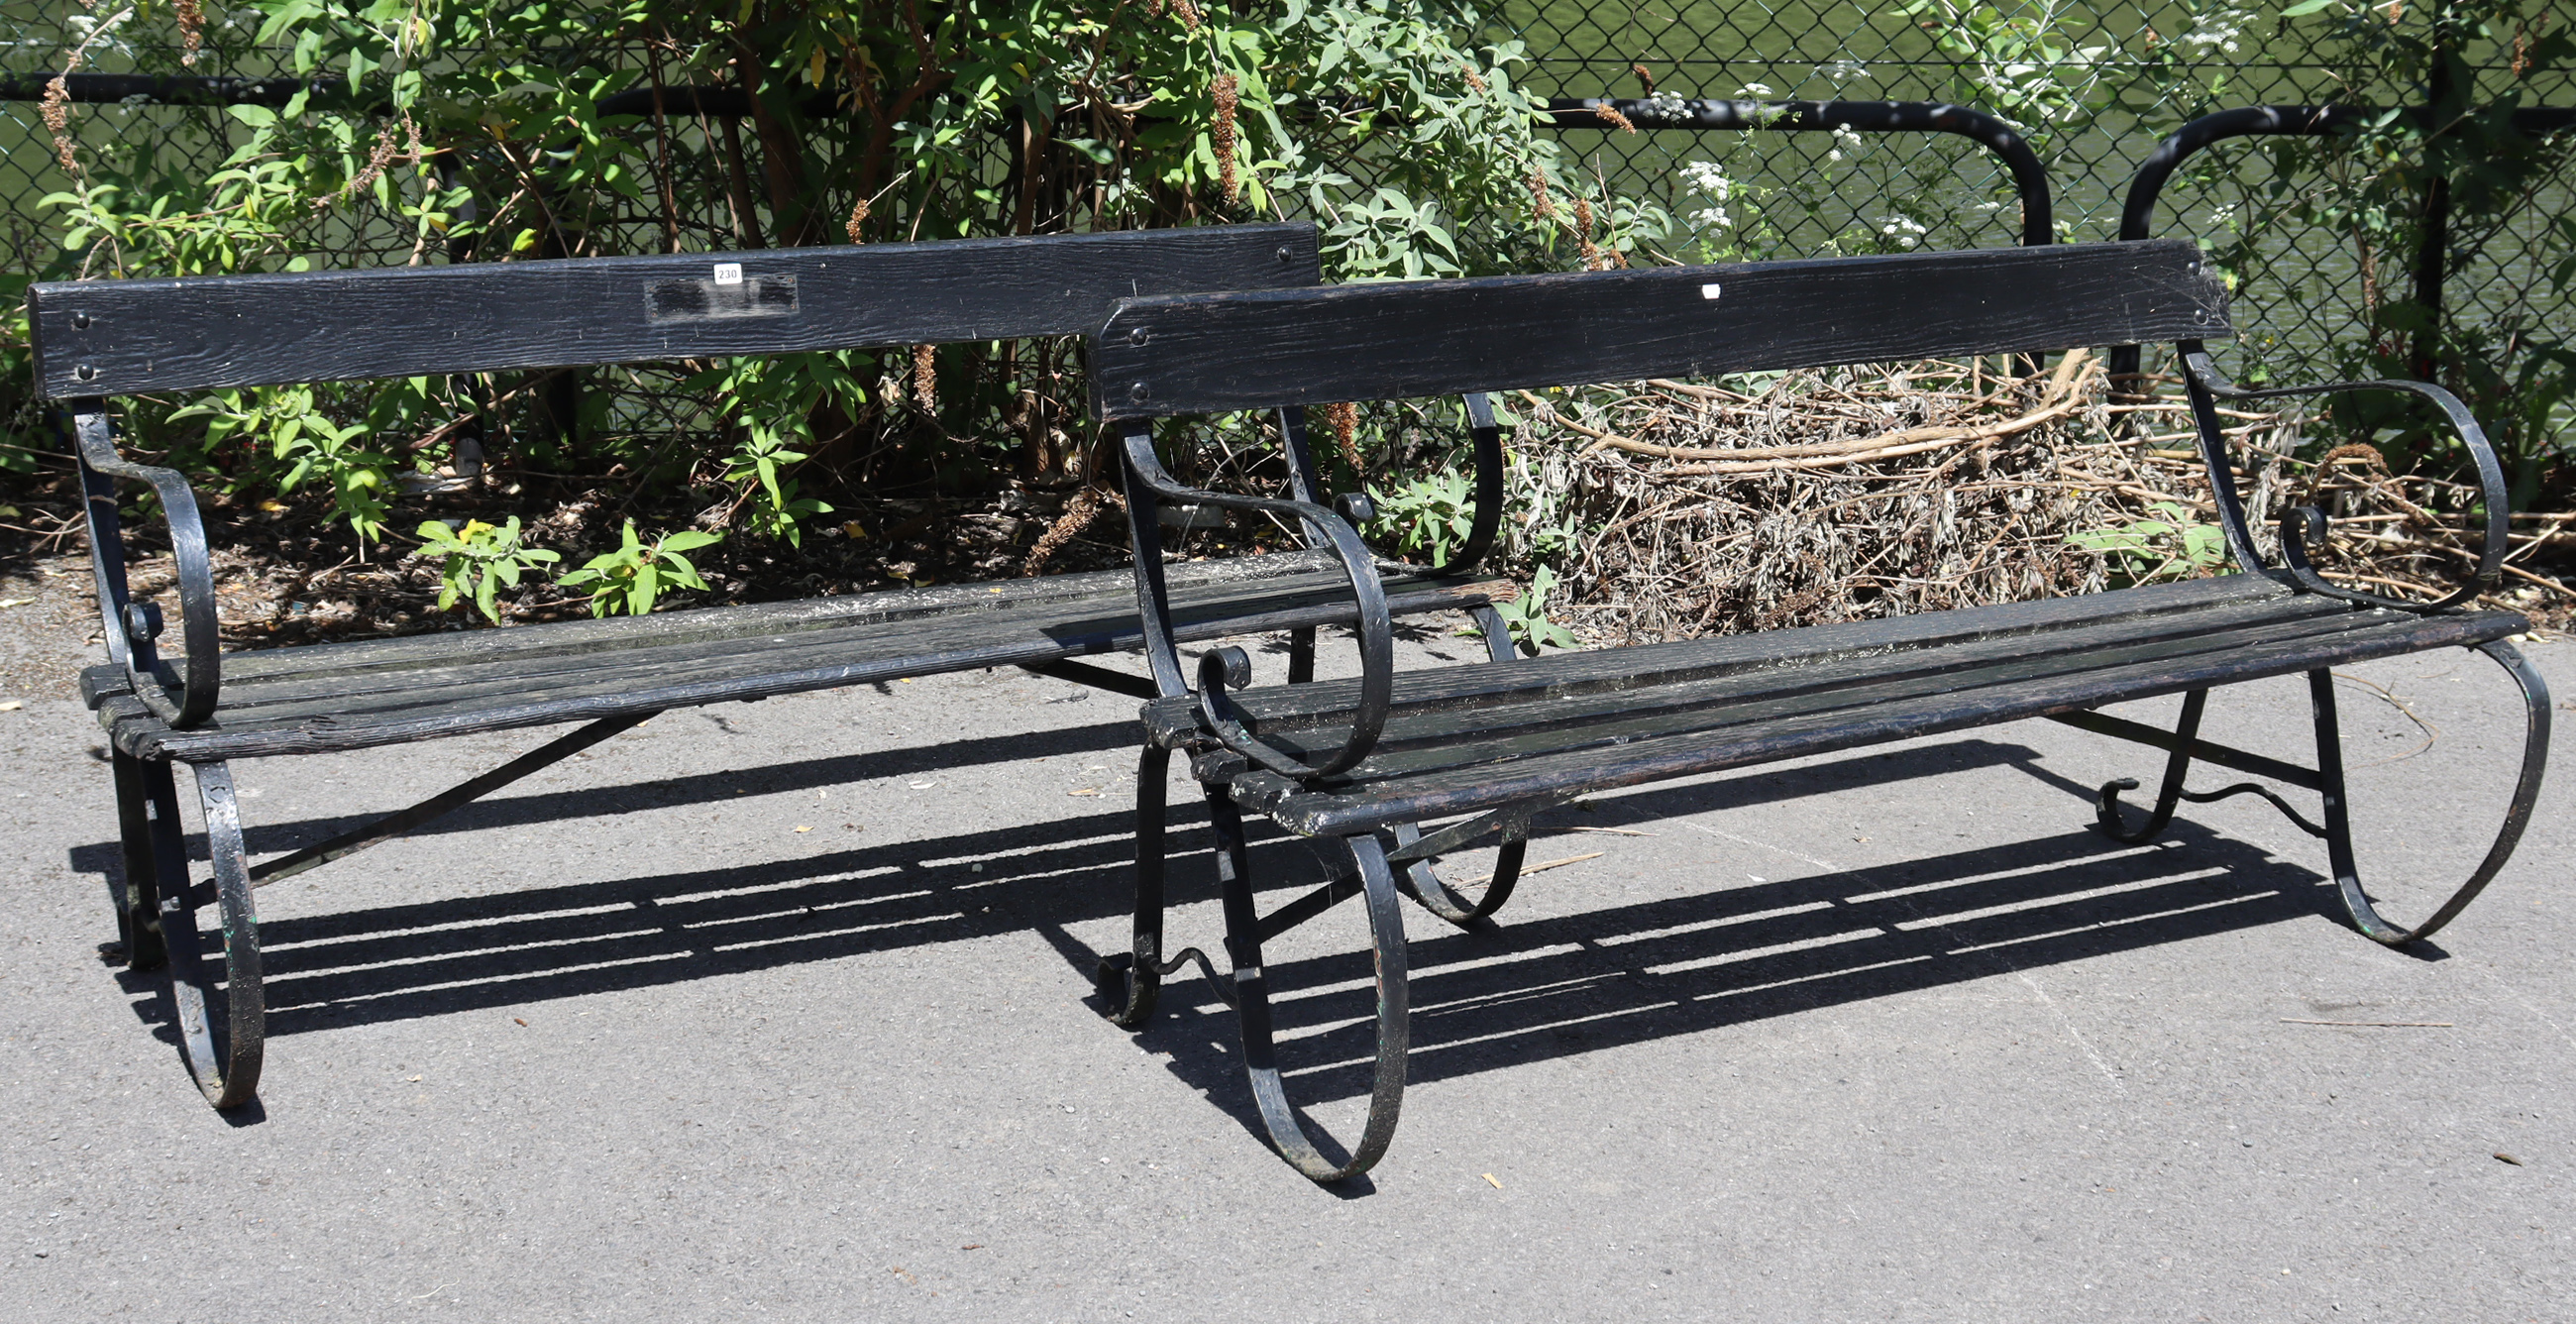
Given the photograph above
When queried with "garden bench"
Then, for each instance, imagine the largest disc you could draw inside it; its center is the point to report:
(199, 706)
(1361, 761)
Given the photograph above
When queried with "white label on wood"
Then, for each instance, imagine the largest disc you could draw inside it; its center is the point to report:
(730, 273)
(1708, 291)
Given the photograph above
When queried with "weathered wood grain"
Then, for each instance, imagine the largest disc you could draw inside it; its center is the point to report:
(1958, 704)
(1218, 352)
(1275, 709)
(1422, 739)
(427, 697)
(118, 337)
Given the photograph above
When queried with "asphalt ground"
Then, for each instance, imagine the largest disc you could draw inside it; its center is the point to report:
(784, 1010)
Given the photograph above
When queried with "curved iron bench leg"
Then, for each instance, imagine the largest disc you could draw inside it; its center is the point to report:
(2517, 814)
(1132, 979)
(1251, 997)
(1424, 885)
(2106, 804)
(137, 900)
(220, 1034)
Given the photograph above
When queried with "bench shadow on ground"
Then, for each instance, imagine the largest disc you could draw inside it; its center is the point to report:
(1528, 989)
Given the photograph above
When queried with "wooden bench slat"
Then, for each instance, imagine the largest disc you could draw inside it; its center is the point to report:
(1086, 624)
(1407, 340)
(359, 656)
(633, 679)
(1276, 708)
(121, 337)
(1419, 741)
(1957, 705)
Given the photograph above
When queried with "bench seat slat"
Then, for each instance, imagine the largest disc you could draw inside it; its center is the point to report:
(1815, 694)
(396, 696)
(1089, 626)
(1423, 740)
(563, 650)
(754, 619)
(1630, 668)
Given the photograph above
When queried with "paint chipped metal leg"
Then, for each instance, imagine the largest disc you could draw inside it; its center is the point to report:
(2338, 825)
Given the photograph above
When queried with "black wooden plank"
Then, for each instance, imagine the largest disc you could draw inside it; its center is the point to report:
(1210, 353)
(1471, 790)
(1282, 707)
(1485, 737)
(138, 733)
(1448, 737)
(118, 337)
(876, 605)
(1109, 623)
(1195, 586)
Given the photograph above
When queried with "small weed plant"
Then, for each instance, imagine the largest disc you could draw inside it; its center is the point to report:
(479, 560)
(630, 578)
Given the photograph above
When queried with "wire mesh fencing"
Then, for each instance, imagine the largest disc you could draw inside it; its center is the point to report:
(2119, 76)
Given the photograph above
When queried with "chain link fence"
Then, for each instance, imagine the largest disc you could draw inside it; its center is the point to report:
(2145, 68)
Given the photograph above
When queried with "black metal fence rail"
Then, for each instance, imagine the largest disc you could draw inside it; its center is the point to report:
(2029, 176)
(2137, 213)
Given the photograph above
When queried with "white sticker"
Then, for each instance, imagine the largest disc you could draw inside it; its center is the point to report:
(730, 273)
(1708, 291)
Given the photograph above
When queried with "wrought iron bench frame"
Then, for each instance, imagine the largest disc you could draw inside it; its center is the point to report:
(1206, 354)
(95, 340)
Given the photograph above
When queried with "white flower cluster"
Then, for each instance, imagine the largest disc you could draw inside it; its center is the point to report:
(1842, 70)
(1844, 139)
(1708, 179)
(1667, 105)
(1904, 230)
(2220, 29)
(1754, 90)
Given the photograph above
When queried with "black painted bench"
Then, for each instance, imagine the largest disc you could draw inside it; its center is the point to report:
(201, 707)
(1486, 748)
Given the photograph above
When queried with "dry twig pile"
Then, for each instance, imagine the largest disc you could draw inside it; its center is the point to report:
(1864, 492)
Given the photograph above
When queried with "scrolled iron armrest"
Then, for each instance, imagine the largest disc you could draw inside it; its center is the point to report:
(1218, 671)
(2303, 524)
(132, 627)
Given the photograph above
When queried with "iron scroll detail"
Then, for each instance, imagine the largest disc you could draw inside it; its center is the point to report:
(132, 628)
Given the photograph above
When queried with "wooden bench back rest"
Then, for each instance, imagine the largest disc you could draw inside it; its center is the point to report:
(123, 337)
(1213, 353)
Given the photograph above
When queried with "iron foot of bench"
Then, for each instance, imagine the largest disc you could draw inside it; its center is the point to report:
(2517, 814)
(2106, 805)
(221, 1029)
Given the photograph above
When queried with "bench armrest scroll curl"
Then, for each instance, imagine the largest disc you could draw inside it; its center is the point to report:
(1148, 484)
(129, 627)
(2305, 524)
